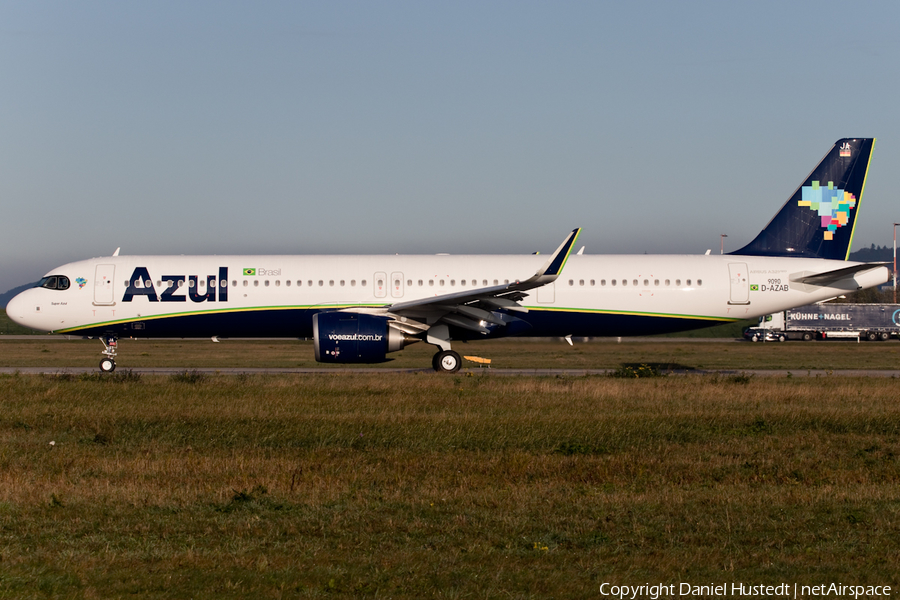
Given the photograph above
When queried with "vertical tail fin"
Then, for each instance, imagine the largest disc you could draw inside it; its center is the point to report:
(819, 218)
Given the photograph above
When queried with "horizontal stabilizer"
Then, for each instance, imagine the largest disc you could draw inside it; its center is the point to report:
(831, 277)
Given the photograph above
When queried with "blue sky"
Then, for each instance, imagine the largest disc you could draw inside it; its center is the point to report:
(422, 127)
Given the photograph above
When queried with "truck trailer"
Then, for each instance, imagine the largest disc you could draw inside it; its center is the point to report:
(829, 321)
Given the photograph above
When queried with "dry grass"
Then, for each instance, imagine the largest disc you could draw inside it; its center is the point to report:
(426, 486)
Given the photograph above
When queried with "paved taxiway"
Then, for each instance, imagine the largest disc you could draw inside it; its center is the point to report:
(484, 371)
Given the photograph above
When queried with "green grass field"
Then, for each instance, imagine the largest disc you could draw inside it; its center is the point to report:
(420, 485)
(41, 351)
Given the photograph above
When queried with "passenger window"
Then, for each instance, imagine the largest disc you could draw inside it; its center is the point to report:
(624, 282)
(688, 282)
(277, 283)
(363, 283)
(495, 282)
(581, 282)
(442, 283)
(699, 282)
(592, 282)
(256, 283)
(201, 283)
(677, 282)
(342, 283)
(635, 282)
(245, 283)
(234, 283)
(613, 282)
(431, 282)
(667, 282)
(409, 283)
(646, 282)
(287, 282)
(267, 283)
(602, 282)
(656, 282)
(452, 282)
(331, 283)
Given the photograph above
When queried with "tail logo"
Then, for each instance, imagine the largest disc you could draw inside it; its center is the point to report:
(832, 204)
(845, 150)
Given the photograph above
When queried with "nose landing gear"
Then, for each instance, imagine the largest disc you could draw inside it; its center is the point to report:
(110, 345)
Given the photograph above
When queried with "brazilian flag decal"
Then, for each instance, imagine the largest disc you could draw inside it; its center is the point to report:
(249, 272)
(754, 288)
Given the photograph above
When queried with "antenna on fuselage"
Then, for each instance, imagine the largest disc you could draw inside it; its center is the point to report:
(116, 253)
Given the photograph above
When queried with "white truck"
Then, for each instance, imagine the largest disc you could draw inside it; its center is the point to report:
(829, 321)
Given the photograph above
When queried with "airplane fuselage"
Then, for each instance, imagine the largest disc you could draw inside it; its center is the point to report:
(276, 296)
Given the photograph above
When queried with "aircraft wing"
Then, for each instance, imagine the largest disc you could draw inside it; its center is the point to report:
(473, 309)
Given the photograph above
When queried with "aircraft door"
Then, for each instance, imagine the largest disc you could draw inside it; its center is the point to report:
(380, 283)
(396, 285)
(740, 283)
(103, 285)
(546, 294)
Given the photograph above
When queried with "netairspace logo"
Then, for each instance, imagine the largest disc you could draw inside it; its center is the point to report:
(739, 590)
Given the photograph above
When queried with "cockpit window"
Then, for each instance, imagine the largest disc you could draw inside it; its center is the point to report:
(54, 282)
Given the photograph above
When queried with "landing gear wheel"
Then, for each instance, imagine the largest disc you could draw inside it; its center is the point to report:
(446, 361)
(107, 365)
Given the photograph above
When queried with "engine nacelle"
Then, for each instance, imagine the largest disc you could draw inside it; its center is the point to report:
(344, 337)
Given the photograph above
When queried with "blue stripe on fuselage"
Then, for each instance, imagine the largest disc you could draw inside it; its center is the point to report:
(297, 323)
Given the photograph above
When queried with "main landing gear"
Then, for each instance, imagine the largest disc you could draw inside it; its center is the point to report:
(445, 361)
(110, 345)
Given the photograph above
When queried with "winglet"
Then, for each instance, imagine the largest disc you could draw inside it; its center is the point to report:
(553, 267)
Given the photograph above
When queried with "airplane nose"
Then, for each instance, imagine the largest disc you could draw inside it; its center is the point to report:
(14, 308)
(20, 307)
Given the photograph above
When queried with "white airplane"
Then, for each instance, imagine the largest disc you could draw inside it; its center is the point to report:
(360, 308)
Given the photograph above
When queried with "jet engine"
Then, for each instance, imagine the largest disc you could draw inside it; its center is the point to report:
(344, 337)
